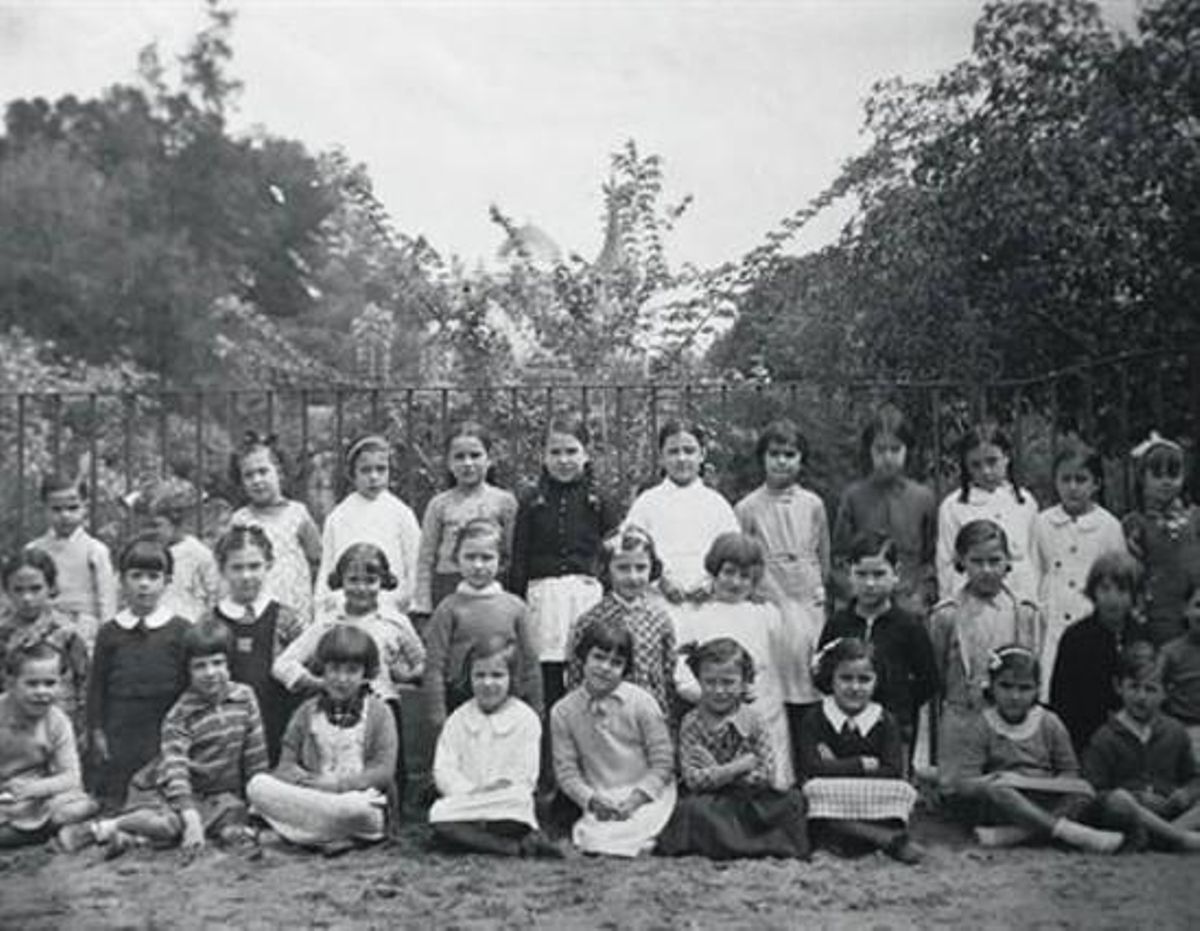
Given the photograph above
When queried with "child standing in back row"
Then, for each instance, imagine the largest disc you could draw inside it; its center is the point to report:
(889, 503)
(295, 540)
(1067, 540)
(789, 522)
(196, 581)
(468, 458)
(371, 514)
(1164, 533)
(989, 491)
(682, 515)
(87, 585)
(556, 548)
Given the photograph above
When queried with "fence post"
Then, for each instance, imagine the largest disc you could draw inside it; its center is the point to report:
(199, 473)
(21, 467)
(93, 459)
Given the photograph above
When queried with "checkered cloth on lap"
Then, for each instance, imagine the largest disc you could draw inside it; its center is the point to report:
(859, 798)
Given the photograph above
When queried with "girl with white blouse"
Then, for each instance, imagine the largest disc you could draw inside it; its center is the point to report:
(1068, 538)
(988, 491)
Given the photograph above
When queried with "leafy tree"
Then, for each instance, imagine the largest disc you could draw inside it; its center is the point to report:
(1033, 206)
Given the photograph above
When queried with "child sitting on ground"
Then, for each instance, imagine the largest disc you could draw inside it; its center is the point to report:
(212, 744)
(335, 783)
(612, 750)
(727, 762)
(852, 757)
(41, 785)
(1015, 765)
(1141, 762)
(486, 762)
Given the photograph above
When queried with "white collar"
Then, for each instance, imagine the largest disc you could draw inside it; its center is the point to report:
(1020, 731)
(157, 618)
(979, 496)
(1057, 516)
(863, 722)
(501, 721)
(234, 611)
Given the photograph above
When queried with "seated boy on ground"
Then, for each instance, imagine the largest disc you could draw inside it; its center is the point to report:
(41, 786)
(1141, 762)
(212, 743)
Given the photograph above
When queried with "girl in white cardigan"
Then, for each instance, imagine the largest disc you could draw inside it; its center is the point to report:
(371, 514)
(988, 491)
(682, 515)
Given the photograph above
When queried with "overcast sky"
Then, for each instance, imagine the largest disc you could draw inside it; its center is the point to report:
(453, 106)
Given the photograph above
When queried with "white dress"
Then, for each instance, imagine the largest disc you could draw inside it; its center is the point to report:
(385, 521)
(1000, 507)
(683, 521)
(475, 749)
(759, 629)
(1065, 548)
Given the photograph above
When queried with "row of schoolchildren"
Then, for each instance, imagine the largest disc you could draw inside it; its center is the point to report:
(1012, 763)
(568, 515)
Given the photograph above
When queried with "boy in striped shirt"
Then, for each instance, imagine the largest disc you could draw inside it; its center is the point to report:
(212, 743)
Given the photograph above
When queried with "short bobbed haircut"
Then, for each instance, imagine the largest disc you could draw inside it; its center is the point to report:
(148, 553)
(609, 635)
(732, 546)
(345, 643)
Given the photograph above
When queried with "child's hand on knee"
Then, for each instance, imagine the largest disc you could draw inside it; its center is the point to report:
(1180, 801)
(193, 830)
(631, 803)
(603, 807)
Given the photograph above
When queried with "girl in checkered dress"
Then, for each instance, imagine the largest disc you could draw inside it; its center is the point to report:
(851, 757)
(727, 763)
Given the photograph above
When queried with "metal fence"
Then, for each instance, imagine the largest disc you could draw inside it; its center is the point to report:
(117, 441)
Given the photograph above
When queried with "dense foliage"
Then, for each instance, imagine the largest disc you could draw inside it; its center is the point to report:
(1036, 205)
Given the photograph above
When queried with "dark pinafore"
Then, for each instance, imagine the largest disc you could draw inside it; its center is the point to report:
(250, 662)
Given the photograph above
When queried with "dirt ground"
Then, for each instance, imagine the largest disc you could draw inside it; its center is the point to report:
(405, 885)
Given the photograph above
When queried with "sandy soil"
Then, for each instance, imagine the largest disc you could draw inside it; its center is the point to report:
(405, 885)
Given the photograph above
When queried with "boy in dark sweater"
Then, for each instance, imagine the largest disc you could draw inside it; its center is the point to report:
(903, 654)
(1141, 762)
